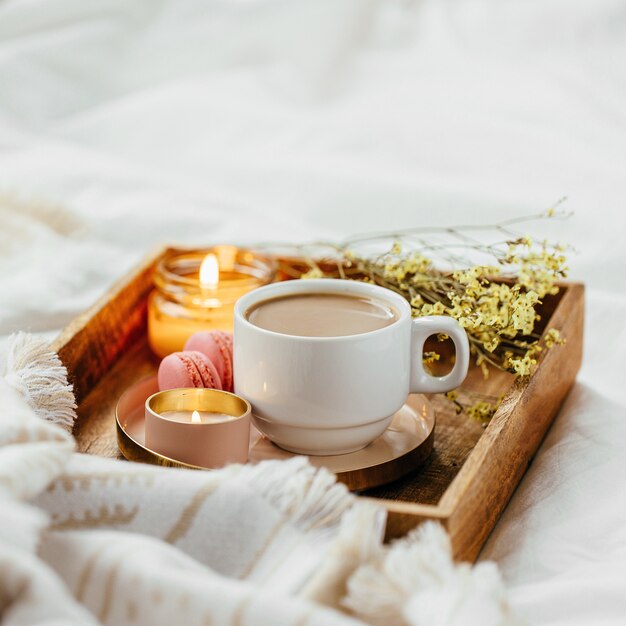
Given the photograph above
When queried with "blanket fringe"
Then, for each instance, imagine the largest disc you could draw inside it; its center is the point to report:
(416, 583)
(36, 372)
(309, 496)
(359, 541)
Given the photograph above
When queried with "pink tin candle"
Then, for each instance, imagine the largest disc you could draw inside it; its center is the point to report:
(207, 428)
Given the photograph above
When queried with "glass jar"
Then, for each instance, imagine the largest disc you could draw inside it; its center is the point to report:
(181, 304)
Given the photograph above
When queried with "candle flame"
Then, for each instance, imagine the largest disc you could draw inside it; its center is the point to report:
(209, 272)
(195, 418)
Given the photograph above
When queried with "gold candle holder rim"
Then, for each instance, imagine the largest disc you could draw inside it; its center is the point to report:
(198, 399)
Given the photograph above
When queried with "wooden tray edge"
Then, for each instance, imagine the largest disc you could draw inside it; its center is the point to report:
(83, 348)
(523, 419)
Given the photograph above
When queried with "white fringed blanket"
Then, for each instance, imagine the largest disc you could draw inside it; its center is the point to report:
(85, 540)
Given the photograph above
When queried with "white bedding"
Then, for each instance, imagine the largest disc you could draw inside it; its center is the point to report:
(127, 124)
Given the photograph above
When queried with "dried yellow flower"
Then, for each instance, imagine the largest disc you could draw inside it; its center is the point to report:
(453, 397)
(482, 411)
(522, 366)
(553, 338)
(314, 272)
(430, 357)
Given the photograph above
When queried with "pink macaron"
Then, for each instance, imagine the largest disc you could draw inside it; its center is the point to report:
(218, 346)
(188, 369)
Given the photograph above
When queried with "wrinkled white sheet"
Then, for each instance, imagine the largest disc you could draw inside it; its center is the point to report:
(127, 124)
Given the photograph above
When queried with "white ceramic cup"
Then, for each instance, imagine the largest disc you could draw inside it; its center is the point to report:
(334, 395)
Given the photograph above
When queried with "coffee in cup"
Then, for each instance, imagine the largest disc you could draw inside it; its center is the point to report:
(322, 314)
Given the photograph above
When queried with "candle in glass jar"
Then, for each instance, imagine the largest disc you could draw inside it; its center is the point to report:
(196, 290)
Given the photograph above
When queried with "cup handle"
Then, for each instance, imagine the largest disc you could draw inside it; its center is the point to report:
(421, 329)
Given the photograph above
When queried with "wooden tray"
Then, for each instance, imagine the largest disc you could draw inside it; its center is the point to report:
(469, 477)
